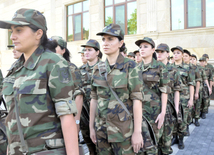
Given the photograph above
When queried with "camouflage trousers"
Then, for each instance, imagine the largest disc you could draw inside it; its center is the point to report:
(180, 128)
(165, 140)
(197, 106)
(117, 148)
(205, 104)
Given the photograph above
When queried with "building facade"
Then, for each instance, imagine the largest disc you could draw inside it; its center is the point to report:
(187, 23)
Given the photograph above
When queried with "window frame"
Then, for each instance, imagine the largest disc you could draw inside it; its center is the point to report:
(203, 17)
(73, 15)
(114, 7)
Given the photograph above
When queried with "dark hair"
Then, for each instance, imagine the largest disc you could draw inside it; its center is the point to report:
(44, 41)
(123, 47)
(67, 54)
(100, 55)
(154, 55)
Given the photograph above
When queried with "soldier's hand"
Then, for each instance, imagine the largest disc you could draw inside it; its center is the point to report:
(160, 120)
(137, 141)
(93, 135)
(196, 96)
(210, 91)
(190, 103)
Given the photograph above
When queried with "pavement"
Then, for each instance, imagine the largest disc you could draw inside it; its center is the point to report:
(201, 139)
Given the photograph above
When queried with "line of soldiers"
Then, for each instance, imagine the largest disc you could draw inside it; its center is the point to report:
(173, 94)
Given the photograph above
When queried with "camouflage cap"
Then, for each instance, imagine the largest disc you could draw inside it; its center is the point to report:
(113, 30)
(131, 54)
(205, 55)
(145, 39)
(162, 47)
(82, 52)
(202, 59)
(178, 48)
(193, 55)
(24, 17)
(60, 41)
(136, 51)
(187, 52)
(92, 43)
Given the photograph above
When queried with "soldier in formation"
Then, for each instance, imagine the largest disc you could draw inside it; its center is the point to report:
(140, 104)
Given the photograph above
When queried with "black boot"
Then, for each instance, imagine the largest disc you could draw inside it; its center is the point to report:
(196, 122)
(181, 142)
(174, 139)
(203, 116)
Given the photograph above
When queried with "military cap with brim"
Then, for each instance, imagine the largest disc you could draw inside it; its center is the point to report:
(131, 54)
(202, 59)
(145, 39)
(178, 48)
(193, 55)
(92, 43)
(136, 51)
(187, 52)
(113, 30)
(24, 17)
(162, 47)
(82, 52)
(205, 55)
(60, 41)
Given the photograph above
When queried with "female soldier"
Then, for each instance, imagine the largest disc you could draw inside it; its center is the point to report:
(156, 81)
(186, 95)
(115, 101)
(93, 55)
(173, 98)
(38, 92)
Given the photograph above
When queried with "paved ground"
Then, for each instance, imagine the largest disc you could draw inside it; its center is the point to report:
(201, 139)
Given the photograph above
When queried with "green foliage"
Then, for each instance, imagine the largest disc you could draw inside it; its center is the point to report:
(108, 21)
(132, 23)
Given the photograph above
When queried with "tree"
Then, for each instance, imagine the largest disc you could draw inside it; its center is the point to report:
(132, 23)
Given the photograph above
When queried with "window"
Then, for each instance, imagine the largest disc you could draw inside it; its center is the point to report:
(191, 14)
(122, 12)
(78, 21)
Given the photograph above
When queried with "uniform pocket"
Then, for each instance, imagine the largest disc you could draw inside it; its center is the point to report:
(54, 143)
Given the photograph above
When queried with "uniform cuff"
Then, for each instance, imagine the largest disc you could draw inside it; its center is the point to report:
(94, 95)
(136, 96)
(65, 108)
(165, 89)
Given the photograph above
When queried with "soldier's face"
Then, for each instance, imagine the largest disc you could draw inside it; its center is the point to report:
(186, 58)
(162, 55)
(177, 55)
(202, 63)
(16, 54)
(24, 39)
(146, 50)
(90, 53)
(138, 57)
(111, 44)
(84, 61)
(194, 60)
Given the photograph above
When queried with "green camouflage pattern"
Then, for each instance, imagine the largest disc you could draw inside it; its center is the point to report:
(24, 17)
(162, 47)
(114, 30)
(131, 54)
(178, 48)
(145, 39)
(3, 137)
(92, 43)
(61, 42)
(170, 117)
(202, 59)
(1, 80)
(43, 89)
(154, 77)
(187, 76)
(86, 74)
(205, 55)
(111, 119)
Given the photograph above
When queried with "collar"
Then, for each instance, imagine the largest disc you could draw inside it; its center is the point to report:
(87, 67)
(119, 63)
(153, 64)
(34, 58)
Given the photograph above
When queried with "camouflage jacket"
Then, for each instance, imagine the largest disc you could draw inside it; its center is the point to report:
(124, 80)
(203, 75)
(197, 73)
(211, 67)
(175, 81)
(187, 76)
(42, 88)
(209, 72)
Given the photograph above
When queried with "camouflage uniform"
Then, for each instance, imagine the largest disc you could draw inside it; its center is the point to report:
(187, 78)
(42, 88)
(113, 126)
(206, 101)
(170, 119)
(197, 103)
(198, 78)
